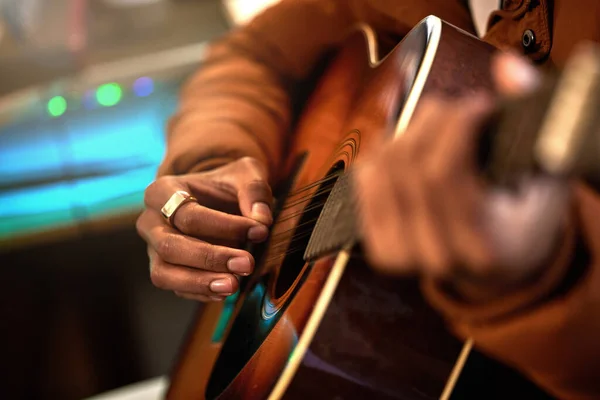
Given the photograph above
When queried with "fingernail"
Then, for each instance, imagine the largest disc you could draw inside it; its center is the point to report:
(258, 233)
(217, 298)
(240, 265)
(222, 286)
(262, 213)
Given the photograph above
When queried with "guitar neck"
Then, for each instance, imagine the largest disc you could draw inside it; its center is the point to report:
(550, 131)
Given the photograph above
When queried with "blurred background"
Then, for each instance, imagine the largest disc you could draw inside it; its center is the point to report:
(86, 88)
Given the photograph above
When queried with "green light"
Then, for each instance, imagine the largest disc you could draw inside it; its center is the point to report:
(109, 94)
(57, 106)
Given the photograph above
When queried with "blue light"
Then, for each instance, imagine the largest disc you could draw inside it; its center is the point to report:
(42, 207)
(143, 86)
(115, 151)
(30, 152)
(126, 137)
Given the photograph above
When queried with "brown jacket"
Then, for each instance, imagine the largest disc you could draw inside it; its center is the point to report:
(240, 102)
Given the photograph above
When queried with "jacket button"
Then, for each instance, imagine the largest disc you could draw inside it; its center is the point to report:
(528, 40)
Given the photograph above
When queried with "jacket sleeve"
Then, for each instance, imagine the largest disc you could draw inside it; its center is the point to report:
(550, 329)
(239, 103)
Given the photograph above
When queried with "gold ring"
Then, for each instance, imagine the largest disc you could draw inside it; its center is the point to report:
(178, 199)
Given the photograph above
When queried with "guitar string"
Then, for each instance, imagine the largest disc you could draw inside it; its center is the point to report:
(298, 213)
(316, 183)
(284, 247)
(286, 242)
(278, 234)
(292, 236)
(272, 261)
(283, 254)
(275, 252)
(307, 197)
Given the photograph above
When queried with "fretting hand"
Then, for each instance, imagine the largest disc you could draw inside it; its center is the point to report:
(425, 208)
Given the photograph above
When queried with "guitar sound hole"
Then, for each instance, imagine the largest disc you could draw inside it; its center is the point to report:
(251, 327)
(293, 263)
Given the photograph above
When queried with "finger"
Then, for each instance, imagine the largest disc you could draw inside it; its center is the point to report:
(453, 153)
(198, 185)
(250, 181)
(177, 278)
(200, 297)
(199, 221)
(464, 221)
(384, 235)
(430, 245)
(431, 248)
(513, 74)
(195, 220)
(175, 248)
(450, 168)
(424, 128)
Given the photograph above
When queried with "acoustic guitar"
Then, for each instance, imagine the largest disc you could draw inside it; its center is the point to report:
(314, 321)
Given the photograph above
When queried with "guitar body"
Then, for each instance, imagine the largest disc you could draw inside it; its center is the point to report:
(332, 328)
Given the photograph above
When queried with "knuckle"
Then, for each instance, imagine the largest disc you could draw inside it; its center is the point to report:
(164, 247)
(205, 256)
(210, 258)
(165, 180)
(155, 187)
(185, 220)
(255, 166)
(249, 162)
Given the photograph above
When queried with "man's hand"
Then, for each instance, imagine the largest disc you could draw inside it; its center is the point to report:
(200, 257)
(426, 209)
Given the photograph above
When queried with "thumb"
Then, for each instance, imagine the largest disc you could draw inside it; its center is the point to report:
(250, 179)
(256, 200)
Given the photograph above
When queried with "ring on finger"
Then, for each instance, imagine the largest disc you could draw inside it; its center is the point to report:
(176, 200)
